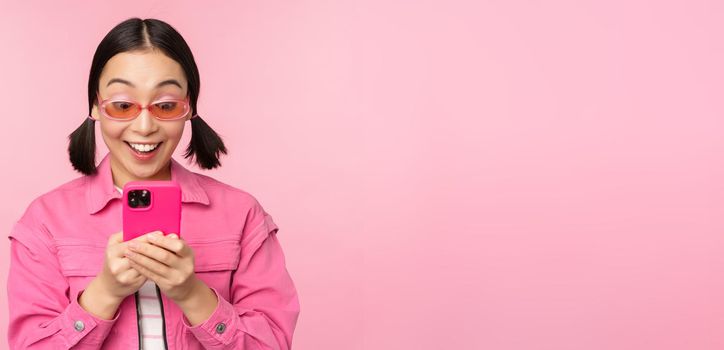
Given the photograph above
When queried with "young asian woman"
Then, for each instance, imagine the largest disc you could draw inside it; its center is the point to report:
(75, 283)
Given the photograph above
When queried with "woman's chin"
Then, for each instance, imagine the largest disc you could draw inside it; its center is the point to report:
(135, 169)
(144, 171)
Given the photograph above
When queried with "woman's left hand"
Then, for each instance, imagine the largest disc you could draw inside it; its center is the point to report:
(166, 260)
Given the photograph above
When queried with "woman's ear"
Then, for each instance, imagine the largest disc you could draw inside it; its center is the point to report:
(94, 113)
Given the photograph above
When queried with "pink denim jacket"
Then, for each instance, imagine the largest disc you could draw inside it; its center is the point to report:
(58, 245)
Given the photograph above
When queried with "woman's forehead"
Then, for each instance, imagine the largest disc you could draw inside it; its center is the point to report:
(145, 71)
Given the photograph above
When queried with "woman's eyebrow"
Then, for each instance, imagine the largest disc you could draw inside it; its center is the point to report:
(165, 82)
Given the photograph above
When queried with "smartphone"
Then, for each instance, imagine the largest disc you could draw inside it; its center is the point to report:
(151, 206)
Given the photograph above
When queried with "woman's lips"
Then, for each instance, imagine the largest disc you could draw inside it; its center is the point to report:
(143, 156)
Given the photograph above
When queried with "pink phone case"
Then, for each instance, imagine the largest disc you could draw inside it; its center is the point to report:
(162, 214)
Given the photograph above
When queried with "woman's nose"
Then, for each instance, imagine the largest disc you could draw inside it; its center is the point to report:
(145, 123)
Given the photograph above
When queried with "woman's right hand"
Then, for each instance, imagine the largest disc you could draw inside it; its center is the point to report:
(116, 280)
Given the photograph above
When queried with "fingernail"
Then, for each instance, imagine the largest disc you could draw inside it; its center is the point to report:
(133, 245)
(153, 236)
(129, 253)
(173, 235)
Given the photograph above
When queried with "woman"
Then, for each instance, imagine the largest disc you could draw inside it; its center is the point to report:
(74, 282)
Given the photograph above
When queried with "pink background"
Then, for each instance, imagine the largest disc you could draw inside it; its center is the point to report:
(445, 174)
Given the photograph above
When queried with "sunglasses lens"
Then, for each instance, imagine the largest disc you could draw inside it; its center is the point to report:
(169, 109)
(121, 109)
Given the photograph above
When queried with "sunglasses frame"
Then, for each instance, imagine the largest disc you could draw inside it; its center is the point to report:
(102, 108)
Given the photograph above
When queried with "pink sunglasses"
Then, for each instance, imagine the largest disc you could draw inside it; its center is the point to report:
(125, 109)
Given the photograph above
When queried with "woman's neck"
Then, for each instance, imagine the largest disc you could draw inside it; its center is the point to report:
(121, 175)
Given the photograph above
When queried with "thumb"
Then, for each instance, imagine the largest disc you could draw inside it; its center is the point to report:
(116, 238)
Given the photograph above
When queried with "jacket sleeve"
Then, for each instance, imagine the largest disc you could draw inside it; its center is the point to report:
(264, 305)
(41, 313)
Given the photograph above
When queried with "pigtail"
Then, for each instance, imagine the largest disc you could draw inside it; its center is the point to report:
(205, 144)
(82, 147)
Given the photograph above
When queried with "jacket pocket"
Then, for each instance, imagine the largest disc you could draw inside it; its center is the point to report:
(79, 258)
(216, 255)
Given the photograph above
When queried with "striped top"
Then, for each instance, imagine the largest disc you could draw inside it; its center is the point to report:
(150, 314)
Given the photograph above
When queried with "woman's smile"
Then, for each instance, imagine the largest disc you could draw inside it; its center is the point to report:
(143, 151)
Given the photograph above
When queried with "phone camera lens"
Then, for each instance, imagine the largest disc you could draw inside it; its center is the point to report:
(139, 198)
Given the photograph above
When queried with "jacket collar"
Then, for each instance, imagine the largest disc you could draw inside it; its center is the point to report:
(100, 188)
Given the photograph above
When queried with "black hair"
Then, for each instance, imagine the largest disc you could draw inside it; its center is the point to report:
(145, 34)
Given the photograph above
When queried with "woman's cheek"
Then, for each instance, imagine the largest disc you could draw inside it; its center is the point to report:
(112, 132)
(174, 134)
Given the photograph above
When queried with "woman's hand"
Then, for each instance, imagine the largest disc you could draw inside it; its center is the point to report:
(168, 261)
(116, 280)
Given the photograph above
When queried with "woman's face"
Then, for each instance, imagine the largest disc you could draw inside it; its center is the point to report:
(144, 77)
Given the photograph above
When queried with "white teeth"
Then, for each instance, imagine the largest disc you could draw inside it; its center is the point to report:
(143, 148)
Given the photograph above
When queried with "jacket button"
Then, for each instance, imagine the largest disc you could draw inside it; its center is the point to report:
(79, 326)
(220, 327)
